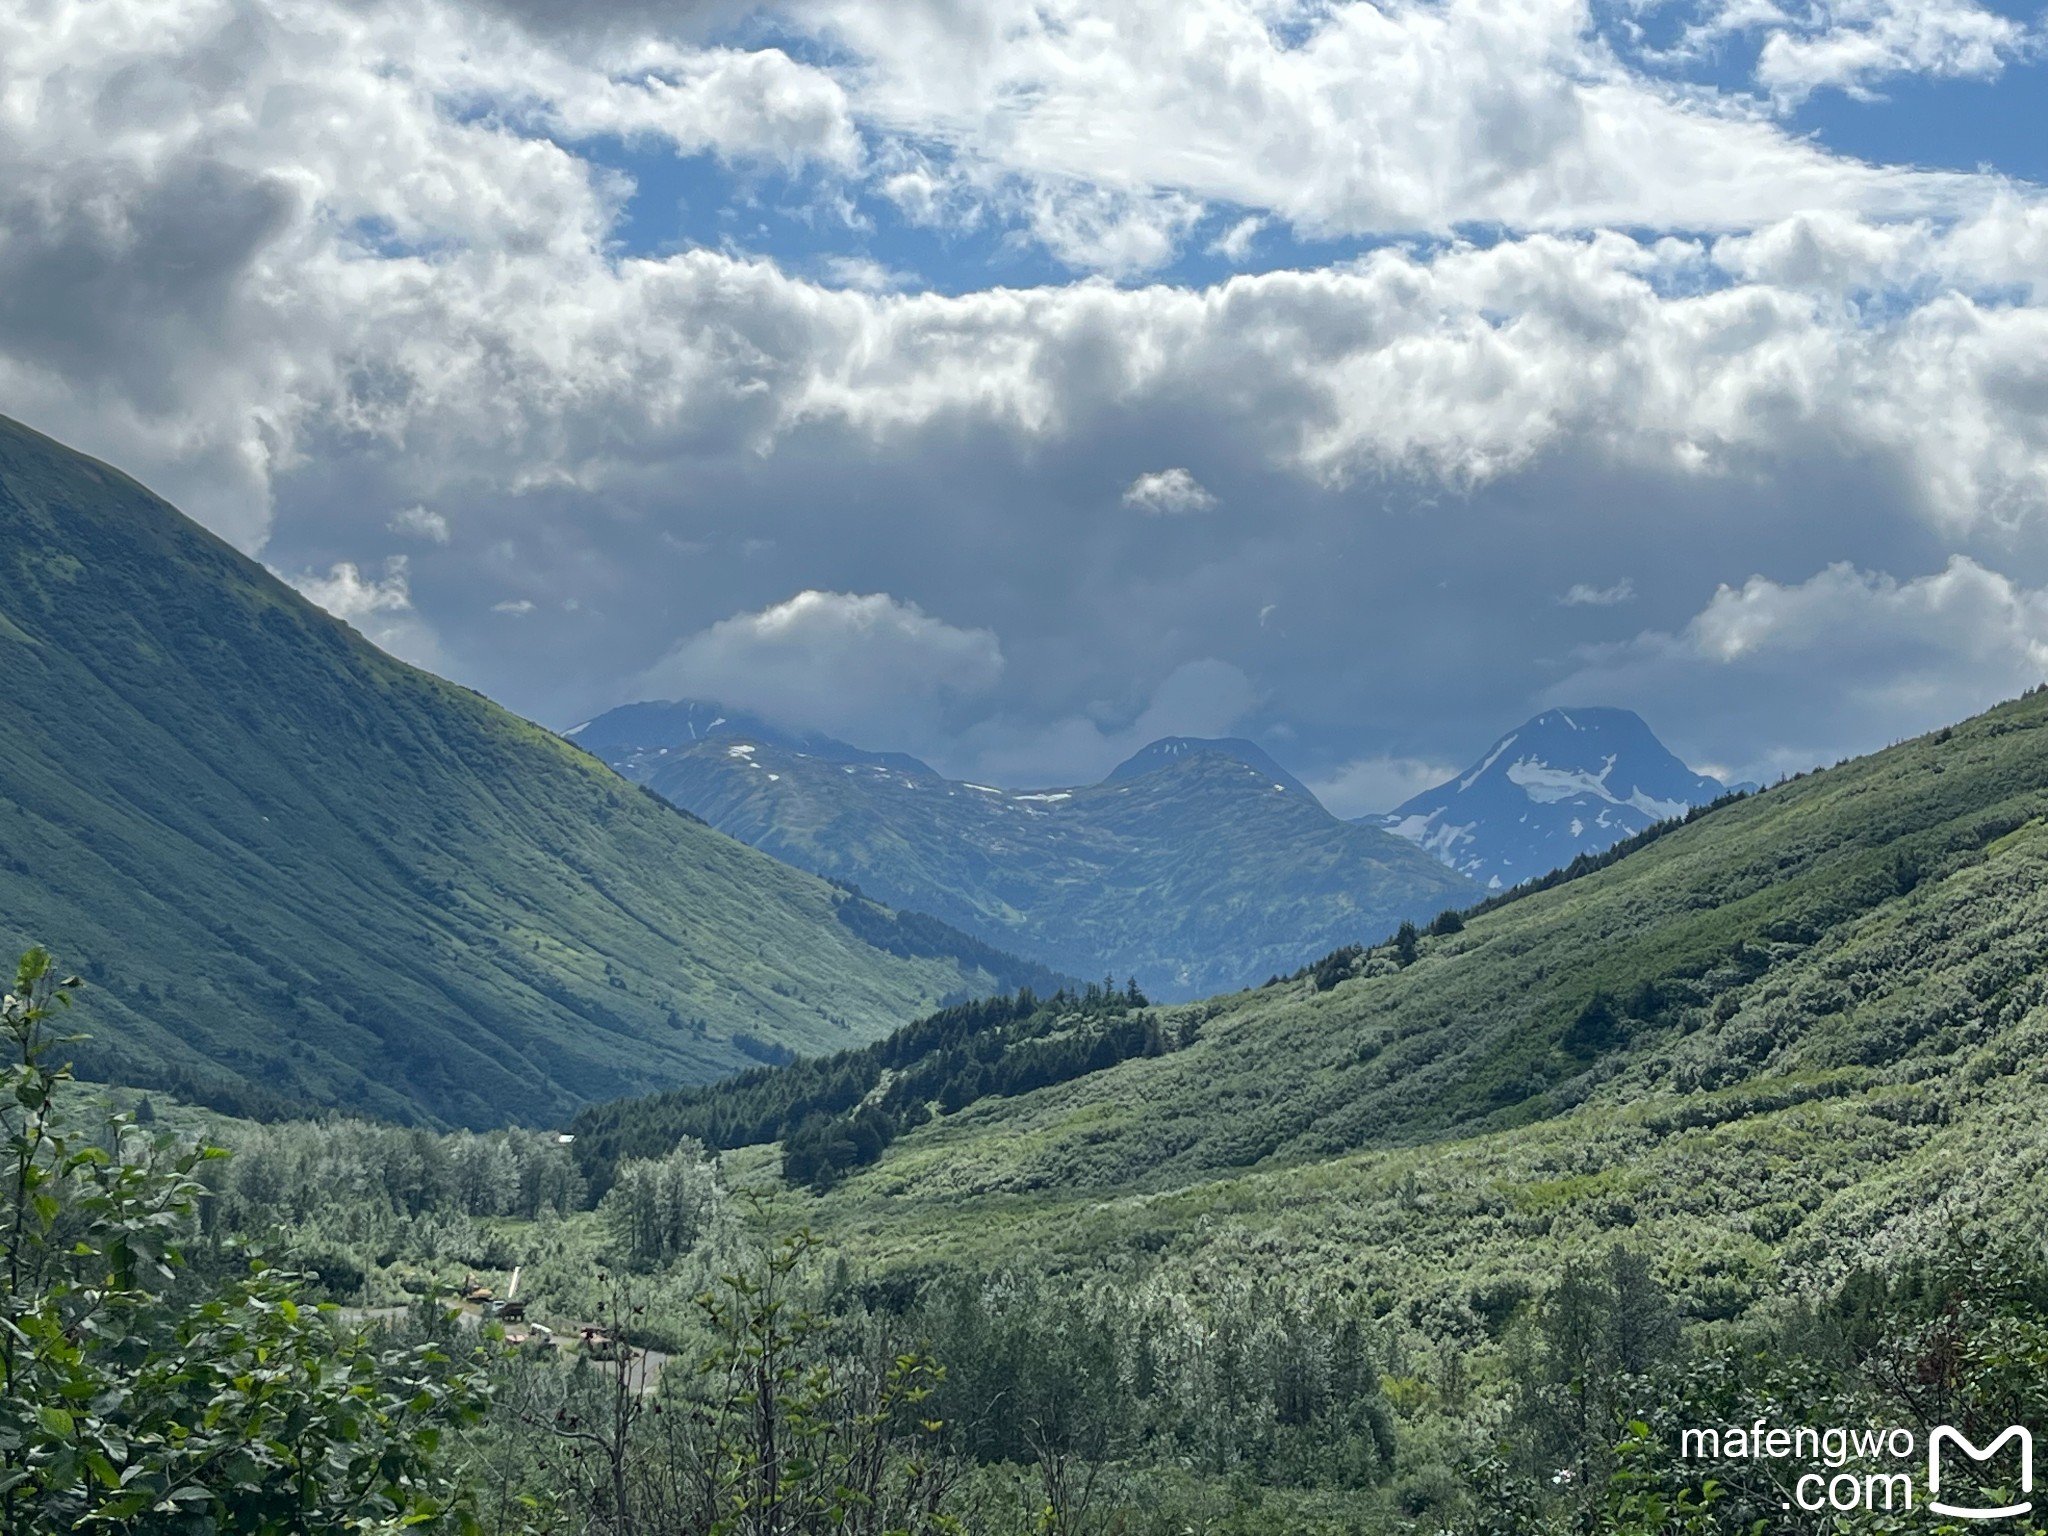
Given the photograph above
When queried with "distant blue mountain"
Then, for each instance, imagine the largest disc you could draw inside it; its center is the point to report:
(1170, 750)
(635, 738)
(1568, 782)
(1196, 867)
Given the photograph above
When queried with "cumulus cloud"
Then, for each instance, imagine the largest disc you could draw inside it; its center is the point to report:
(1847, 660)
(863, 666)
(378, 608)
(1585, 595)
(1347, 118)
(441, 283)
(1856, 45)
(866, 274)
(299, 265)
(349, 595)
(1168, 491)
(421, 523)
(1235, 243)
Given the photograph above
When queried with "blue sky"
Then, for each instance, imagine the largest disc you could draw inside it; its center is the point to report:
(1012, 382)
(1944, 123)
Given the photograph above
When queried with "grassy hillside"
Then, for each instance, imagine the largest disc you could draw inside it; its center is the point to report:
(1801, 1032)
(299, 871)
(1742, 1125)
(1200, 876)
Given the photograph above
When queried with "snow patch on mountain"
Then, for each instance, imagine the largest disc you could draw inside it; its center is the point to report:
(1565, 783)
(1491, 758)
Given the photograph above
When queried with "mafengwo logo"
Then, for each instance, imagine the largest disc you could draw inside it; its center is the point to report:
(1848, 1470)
(1944, 1436)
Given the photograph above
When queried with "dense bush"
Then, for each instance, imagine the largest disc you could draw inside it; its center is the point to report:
(140, 1396)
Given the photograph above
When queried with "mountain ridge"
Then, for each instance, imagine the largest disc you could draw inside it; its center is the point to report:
(633, 738)
(299, 871)
(1206, 873)
(1162, 753)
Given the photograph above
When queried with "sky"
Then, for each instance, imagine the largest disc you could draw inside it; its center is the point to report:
(1012, 383)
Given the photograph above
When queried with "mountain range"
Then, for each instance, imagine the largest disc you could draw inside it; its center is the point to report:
(298, 872)
(634, 738)
(1197, 866)
(1075, 877)
(1566, 783)
(1787, 1037)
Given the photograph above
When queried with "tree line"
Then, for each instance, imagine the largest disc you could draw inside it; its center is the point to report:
(839, 1112)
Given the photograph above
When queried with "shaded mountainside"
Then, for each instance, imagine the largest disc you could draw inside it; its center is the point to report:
(1800, 1033)
(298, 871)
(1204, 874)
(1568, 782)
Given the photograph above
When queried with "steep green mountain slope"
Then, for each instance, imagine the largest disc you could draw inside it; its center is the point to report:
(1804, 1031)
(1200, 875)
(299, 870)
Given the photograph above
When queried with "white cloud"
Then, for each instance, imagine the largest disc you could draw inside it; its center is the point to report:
(1366, 786)
(1345, 118)
(421, 523)
(1168, 491)
(436, 281)
(1586, 595)
(867, 666)
(350, 596)
(517, 607)
(865, 274)
(1973, 615)
(1856, 45)
(378, 608)
(1845, 661)
(740, 104)
(1096, 228)
(314, 260)
(1235, 243)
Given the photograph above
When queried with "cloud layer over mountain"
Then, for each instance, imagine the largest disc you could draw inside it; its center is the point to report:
(1010, 376)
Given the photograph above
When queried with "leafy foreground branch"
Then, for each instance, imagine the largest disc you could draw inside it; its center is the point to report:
(162, 1377)
(142, 1393)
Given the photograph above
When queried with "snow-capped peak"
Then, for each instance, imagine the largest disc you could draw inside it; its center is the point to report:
(1564, 783)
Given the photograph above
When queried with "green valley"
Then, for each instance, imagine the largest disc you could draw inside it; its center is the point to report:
(1766, 1067)
(1802, 1028)
(1738, 1123)
(299, 873)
